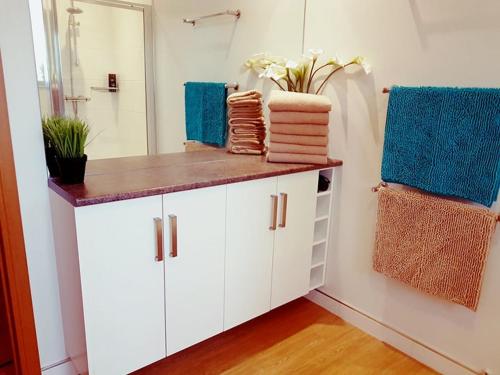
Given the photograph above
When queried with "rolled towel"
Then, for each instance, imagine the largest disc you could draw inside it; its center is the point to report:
(297, 149)
(294, 101)
(305, 140)
(321, 118)
(298, 129)
(278, 157)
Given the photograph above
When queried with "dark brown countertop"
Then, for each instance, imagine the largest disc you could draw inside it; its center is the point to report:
(117, 179)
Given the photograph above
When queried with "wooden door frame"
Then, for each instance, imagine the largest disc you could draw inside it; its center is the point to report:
(13, 264)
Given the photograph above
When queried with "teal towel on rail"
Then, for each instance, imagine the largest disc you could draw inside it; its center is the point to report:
(445, 141)
(206, 114)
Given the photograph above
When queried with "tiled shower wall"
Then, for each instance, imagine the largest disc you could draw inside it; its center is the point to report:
(110, 40)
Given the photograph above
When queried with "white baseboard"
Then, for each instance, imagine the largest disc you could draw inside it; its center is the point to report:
(422, 353)
(64, 367)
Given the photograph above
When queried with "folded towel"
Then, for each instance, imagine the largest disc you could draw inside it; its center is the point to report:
(297, 149)
(246, 112)
(278, 157)
(235, 139)
(299, 118)
(433, 244)
(205, 106)
(298, 129)
(247, 128)
(305, 140)
(246, 103)
(258, 121)
(445, 141)
(299, 102)
(243, 95)
(251, 143)
(246, 150)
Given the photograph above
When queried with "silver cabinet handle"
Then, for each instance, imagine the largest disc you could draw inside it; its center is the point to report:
(284, 203)
(274, 211)
(172, 219)
(159, 239)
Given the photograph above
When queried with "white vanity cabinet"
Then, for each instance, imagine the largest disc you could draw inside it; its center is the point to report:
(293, 236)
(269, 232)
(250, 211)
(194, 223)
(122, 285)
(144, 278)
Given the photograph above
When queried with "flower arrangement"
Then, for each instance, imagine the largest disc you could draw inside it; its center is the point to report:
(300, 76)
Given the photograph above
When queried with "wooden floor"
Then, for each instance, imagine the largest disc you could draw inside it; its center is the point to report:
(298, 338)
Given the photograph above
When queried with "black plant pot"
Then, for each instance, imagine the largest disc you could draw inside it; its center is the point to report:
(72, 171)
(50, 157)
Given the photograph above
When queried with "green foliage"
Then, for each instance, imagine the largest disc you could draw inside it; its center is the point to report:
(66, 135)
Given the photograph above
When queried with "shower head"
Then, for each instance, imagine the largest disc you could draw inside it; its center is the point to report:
(74, 10)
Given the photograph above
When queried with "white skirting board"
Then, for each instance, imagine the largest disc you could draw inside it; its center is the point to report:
(64, 367)
(421, 352)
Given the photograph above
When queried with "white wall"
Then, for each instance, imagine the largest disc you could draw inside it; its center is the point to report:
(22, 98)
(412, 42)
(215, 50)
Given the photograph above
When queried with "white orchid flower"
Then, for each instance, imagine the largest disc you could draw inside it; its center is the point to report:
(366, 67)
(290, 64)
(274, 71)
(360, 60)
(333, 62)
(313, 53)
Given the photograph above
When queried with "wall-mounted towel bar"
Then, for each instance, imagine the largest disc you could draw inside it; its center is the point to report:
(236, 13)
(230, 85)
(104, 89)
(386, 90)
(383, 184)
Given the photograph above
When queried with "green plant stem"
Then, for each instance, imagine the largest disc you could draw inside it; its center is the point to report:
(331, 74)
(289, 79)
(310, 76)
(281, 87)
(317, 70)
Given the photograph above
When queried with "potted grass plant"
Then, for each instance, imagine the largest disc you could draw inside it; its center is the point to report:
(68, 138)
(50, 152)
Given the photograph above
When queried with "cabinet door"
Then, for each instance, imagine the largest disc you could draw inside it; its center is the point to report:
(194, 278)
(294, 236)
(122, 285)
(249, 250)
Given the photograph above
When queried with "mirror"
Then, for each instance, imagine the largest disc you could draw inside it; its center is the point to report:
(94, 67)
(121, 65)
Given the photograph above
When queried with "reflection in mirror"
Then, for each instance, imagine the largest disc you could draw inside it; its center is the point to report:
(94, 62)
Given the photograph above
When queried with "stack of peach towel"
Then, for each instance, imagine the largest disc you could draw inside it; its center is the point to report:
(299, 128)
(247, 129)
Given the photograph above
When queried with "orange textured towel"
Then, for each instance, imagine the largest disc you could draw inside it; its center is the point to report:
(312, 140)
(433, 244)
(297, 101)
(299, 118)
(298, 129)
(297, 149)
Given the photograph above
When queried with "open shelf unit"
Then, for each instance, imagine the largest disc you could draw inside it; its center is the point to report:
(321, 233)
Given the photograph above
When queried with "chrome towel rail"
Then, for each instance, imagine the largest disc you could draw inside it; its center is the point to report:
(236, 13)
